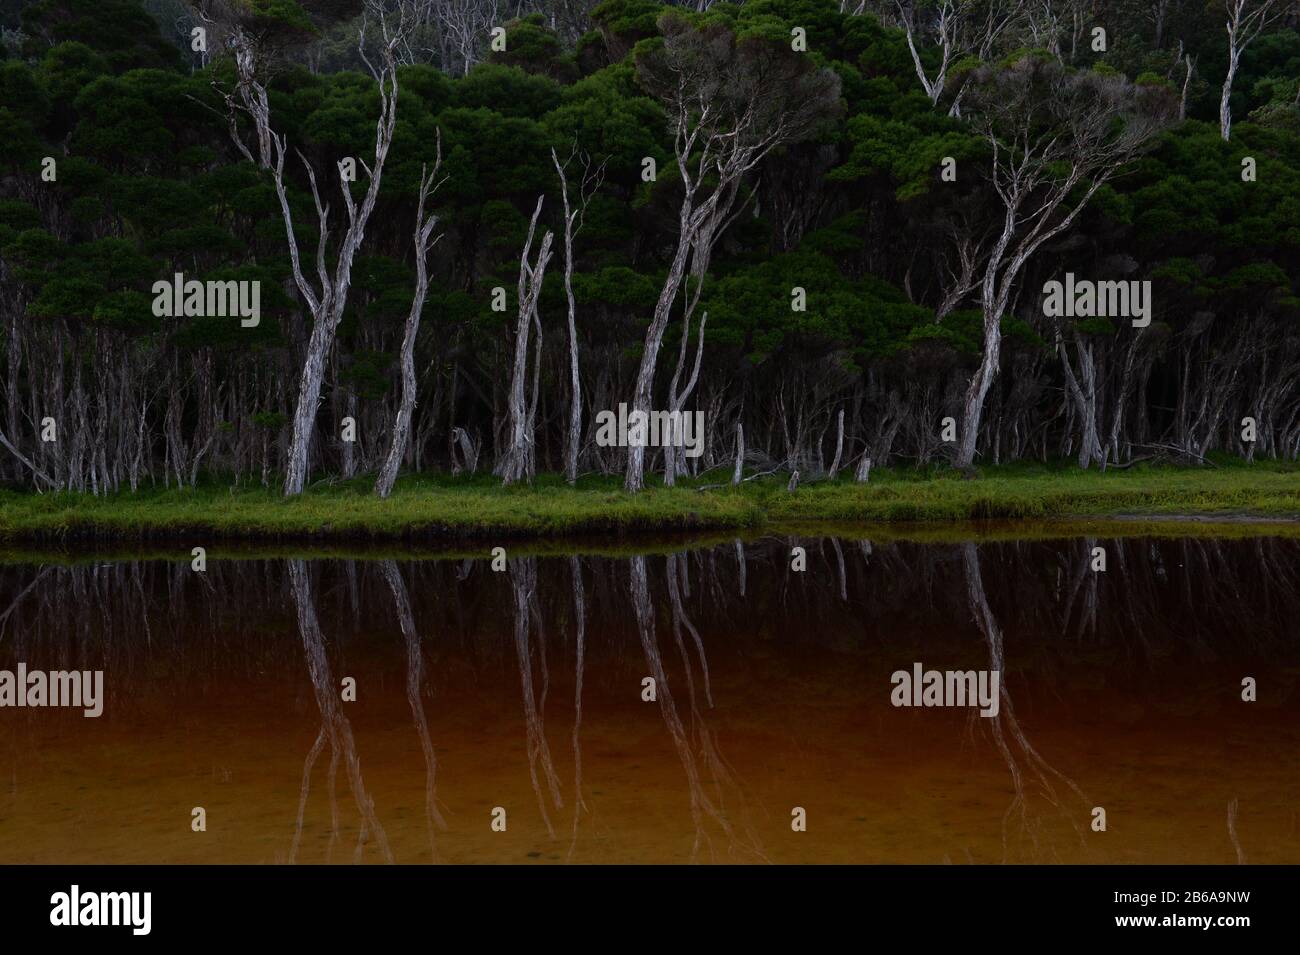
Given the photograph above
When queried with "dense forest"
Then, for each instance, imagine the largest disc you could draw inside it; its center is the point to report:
(828, 226)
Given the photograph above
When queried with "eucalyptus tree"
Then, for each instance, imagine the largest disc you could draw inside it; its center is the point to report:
(1055, 136)
(327, 298)
(957, 29)
(574, 213)
(518, 460)
(730, 101)
(1246, 18)
(425, 222)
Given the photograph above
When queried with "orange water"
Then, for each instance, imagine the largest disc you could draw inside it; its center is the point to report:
(1161, 740)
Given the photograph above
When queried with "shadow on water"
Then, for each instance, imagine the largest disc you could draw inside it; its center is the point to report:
(687, 705)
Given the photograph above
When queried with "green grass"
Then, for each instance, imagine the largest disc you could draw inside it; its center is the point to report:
(444, 509)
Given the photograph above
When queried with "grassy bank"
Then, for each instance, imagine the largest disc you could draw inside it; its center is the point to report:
(446, 509)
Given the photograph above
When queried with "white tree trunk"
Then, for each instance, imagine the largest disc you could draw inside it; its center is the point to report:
(518, 458)
(1225, 98)
(839, 446)
(740, 455)
(424, 225)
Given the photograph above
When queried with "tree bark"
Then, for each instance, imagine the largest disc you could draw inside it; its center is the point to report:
(517, 460)
(424, 226)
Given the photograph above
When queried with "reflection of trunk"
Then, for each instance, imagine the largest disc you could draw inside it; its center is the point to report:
(703, 807)
(740, 565)
(414, 661)
(1005, 727)
(580, 624)
(337, 727)
(1085, 578)
(523, 580)
(312, 756)
(1232, 831)
(680, 620)
(839, 561)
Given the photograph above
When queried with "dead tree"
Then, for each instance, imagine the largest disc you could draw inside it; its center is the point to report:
(573, 216)
(839, 446)
(1246, 18)
(957, 28)
(518, 460)
(468, 448)
(740, 455)
(462, 27)
(425, 221)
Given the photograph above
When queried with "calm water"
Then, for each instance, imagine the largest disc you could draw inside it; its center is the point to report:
(522, 689)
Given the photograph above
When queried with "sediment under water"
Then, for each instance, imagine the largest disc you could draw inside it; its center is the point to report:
(523, 689)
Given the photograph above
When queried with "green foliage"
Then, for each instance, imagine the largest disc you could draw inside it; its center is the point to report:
(507, 90)
(149, 184)
(120, 31)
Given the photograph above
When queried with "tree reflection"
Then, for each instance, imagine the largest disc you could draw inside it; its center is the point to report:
(337, 728)
(414, 666)
(1022, 759)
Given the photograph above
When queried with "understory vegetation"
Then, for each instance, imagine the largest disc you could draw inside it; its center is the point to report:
(444, 509)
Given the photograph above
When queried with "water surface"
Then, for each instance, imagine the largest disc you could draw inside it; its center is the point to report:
(522, 689)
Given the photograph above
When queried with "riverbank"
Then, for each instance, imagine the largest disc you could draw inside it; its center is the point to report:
(430, 509)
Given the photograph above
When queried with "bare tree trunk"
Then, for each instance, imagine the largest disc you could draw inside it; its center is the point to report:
(726, 114)
(676, 399)
(863, 473)
(1225, 97)
(740, 454)
(573, 436)
(424, 225)
(1246, 18)
(518, 459)
(327, 303)
(573, 217)
(978, 389)
(26, 460)
(634, 479)
(839, 447)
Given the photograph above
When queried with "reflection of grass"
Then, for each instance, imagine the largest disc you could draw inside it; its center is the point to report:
(448, 509)
(72, 550)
